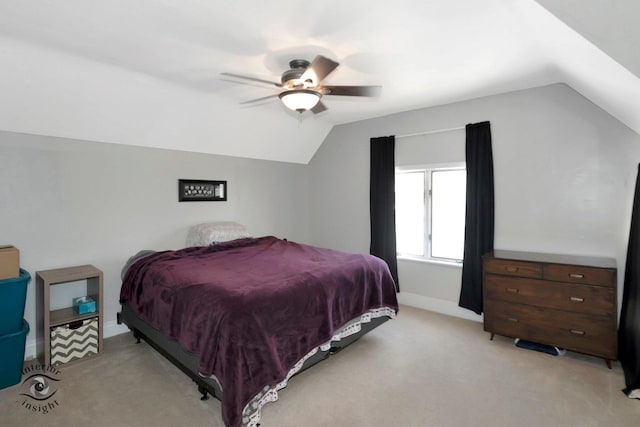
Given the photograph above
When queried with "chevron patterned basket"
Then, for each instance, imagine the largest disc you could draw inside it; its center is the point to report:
(74, 341)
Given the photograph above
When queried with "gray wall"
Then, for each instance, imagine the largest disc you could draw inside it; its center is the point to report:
(564, 178)
(67, 203)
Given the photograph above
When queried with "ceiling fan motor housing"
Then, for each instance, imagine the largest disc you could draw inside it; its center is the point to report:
(298, 67)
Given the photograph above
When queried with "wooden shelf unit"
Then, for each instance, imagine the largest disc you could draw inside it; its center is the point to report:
(47, 318)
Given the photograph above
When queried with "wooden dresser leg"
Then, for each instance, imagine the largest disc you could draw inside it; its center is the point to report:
(608, 363)
(491, 338)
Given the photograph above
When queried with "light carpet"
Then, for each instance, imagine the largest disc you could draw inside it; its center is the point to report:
(421, 369)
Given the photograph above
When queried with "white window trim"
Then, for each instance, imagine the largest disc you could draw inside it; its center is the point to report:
(427, 258)
(434, 261)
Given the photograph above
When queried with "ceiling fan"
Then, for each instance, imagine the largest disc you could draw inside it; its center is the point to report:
(302, 88)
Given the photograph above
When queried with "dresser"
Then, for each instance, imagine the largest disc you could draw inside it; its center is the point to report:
(560, 300)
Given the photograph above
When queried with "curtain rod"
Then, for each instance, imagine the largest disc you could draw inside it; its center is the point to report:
(430, 132)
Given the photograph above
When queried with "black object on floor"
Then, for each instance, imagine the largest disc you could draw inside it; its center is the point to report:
(543, 348)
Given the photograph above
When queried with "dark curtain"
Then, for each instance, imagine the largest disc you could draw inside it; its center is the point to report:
(629, 329)
(478, 233)
(382, 202)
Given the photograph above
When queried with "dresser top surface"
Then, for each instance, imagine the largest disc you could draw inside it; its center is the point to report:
(590, 261)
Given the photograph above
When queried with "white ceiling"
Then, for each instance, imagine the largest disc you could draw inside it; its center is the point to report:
(147, 72)
(610, 25)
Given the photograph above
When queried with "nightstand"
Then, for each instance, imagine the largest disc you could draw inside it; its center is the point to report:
(63, 335)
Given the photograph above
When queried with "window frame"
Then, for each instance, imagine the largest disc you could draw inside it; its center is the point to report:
(428, 169)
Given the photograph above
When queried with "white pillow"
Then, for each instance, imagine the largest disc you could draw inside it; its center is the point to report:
(215, 232)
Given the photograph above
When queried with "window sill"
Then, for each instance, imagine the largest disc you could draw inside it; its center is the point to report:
(431, 261)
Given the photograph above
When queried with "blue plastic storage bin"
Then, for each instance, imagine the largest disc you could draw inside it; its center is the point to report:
(13, 293)
(12, 356)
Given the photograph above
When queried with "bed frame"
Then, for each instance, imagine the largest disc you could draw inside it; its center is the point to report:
(188, 362)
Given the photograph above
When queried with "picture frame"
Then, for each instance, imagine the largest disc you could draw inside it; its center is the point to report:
(200, 190)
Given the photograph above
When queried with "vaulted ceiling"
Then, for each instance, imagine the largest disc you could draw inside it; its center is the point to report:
(147, 72)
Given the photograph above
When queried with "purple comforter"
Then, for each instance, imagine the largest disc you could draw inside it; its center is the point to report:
(252, 308)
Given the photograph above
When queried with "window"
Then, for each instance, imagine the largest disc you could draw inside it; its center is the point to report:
(430, 212)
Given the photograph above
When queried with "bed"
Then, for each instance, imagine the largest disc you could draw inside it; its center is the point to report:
(241, 317)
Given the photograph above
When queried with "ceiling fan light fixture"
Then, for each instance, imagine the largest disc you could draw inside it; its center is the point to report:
(300, 100)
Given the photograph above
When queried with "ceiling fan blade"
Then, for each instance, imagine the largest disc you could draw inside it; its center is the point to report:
(264, 98)
(318, 108)
(351, 90)
(239, 76)
(320, 68)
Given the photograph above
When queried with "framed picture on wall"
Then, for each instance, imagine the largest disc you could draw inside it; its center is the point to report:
(198, 190)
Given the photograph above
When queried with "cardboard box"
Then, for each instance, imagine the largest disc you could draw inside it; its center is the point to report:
(9, 262)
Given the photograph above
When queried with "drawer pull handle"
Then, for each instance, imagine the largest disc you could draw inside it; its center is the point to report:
(511, 269)
(576, 275)
(513, 290)
(75, 325)
(512, 319)
(577, 332)
(576, 299)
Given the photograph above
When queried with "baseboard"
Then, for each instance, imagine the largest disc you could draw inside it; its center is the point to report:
(437, 305)
(110, 329)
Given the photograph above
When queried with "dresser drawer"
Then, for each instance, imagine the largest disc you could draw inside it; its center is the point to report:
(580, 332)
(513, 268)
(557, 295)
(579, 274)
